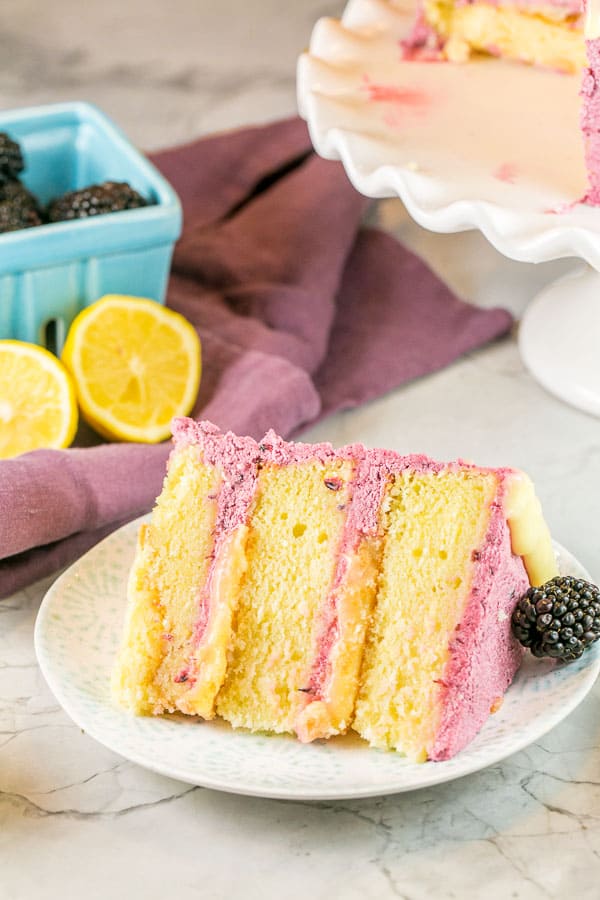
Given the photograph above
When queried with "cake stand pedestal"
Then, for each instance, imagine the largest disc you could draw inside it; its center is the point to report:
(490, 146)
(559, 339)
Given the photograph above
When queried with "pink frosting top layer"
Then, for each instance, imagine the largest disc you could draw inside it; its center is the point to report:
(236, 457)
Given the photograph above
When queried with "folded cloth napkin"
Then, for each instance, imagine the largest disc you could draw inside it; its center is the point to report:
(301, 312)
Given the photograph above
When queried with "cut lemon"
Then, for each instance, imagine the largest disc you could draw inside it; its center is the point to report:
(135, 365)
(37, 400)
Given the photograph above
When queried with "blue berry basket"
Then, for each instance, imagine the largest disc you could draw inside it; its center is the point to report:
(49, 273)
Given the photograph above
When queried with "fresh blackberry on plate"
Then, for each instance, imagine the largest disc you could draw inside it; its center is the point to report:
(18, 208)
(11, 158)
(559, 619)
(95, 200)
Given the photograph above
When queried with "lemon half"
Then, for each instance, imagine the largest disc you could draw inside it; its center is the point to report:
(37, 400)
(135, 365)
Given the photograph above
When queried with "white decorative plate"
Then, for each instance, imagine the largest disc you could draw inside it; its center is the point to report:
(492, 145)
(77, 634)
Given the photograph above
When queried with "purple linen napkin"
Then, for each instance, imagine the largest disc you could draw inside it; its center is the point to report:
(301, 312)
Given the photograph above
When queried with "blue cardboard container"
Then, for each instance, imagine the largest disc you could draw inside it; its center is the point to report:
(49, 273)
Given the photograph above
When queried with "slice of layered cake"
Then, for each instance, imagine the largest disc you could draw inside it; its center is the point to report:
(557, 34)
(297, 588)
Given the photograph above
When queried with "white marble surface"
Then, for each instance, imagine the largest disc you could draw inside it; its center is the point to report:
(78, 821)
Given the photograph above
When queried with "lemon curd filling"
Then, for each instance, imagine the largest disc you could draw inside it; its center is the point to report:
(548, 37)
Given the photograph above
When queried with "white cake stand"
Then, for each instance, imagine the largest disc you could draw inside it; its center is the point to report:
(492, 146)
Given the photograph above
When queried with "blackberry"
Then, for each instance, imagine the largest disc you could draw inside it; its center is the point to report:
(95, 200)
(11, 159)
(559, 619)
(18, 208)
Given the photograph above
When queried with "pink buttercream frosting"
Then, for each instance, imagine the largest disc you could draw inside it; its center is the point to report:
(484, 655)
(235, 457)
(590, 120)
(423, 43)
(362, 519)
(274, 449)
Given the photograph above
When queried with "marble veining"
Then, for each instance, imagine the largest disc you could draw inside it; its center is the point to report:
(76, 820)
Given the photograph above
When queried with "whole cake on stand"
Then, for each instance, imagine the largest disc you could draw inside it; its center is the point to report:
(488, 143)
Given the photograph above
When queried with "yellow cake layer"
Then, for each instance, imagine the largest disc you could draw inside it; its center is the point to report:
(538, 39)
(170, 565)
(433, 522)
(294, 535)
